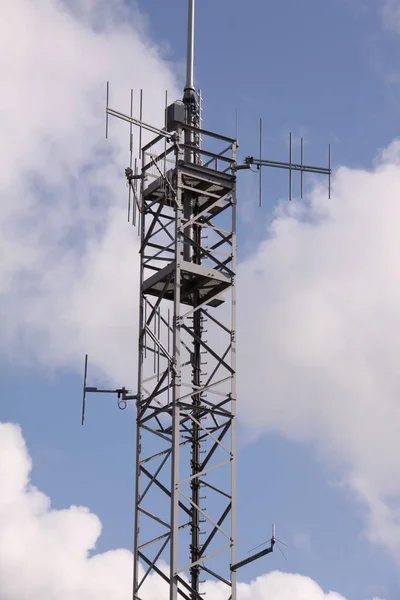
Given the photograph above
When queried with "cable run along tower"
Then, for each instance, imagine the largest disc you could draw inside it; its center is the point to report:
(182, 199)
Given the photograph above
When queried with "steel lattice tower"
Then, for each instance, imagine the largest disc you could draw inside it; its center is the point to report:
(184, 204)
(187, 383)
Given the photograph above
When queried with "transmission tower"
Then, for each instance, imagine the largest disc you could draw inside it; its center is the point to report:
(183, 201)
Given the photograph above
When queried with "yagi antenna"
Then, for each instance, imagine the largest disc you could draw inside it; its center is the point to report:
(289, 166)
(123, 395)
(130, 157)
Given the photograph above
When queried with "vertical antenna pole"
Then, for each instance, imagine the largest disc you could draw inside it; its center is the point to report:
(260, 174)
(190, 50)
(134, 207)
(141, 119)
(237, 124)
(290, 167)
(84, 390)
(301, 162)
(329, 166)
(130, 157)
(107, 100)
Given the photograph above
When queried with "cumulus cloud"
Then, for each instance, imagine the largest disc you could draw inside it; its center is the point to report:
(55, 549)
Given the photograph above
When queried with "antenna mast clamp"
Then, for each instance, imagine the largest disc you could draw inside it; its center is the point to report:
(131, 176)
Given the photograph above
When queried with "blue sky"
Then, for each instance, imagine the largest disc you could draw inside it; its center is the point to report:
(326, 70)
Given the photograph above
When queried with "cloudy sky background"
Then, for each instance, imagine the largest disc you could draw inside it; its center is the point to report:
(318, 335)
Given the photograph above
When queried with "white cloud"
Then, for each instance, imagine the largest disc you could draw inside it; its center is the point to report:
(67, 255)
(54, 549)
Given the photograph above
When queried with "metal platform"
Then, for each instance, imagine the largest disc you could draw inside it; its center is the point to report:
(194, 278)
(209, 184)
